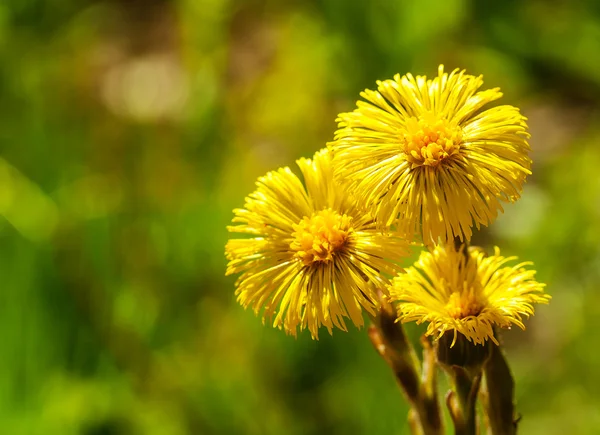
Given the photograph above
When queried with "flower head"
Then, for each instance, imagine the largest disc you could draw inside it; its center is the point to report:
(314, 256)
(468, 293)
(428, 159)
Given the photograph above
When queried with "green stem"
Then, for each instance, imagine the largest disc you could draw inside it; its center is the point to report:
(500, 385)
(465, 394)
(391, 342)
(464, 362)
(429, 389)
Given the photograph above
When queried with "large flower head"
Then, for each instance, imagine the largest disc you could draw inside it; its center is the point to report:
(314, 256)
(428, 159)
(466, 292)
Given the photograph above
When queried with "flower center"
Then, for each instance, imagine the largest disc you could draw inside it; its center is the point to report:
(464, 304)
(430, 139)
(318, 237)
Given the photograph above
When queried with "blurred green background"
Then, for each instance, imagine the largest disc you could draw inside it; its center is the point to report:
(130, 129)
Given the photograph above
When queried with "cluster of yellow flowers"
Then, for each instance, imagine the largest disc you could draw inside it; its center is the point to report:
(417, 160)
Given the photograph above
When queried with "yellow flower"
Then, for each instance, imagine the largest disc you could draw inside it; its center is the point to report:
(467, 293)
(426, 157)
(315, 256)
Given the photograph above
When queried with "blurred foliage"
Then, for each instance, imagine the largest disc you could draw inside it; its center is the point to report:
(130, 129)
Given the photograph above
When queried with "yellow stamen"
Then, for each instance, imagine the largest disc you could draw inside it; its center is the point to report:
(464, 304)
(318, 238)
(430, 139)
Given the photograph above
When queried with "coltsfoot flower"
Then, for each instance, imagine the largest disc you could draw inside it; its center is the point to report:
(467, 293)
(315, 256)
(428, 159)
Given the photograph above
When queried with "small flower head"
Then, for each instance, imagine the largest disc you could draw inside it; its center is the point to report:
(467, 293)
(315, 256)
(428, 159)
